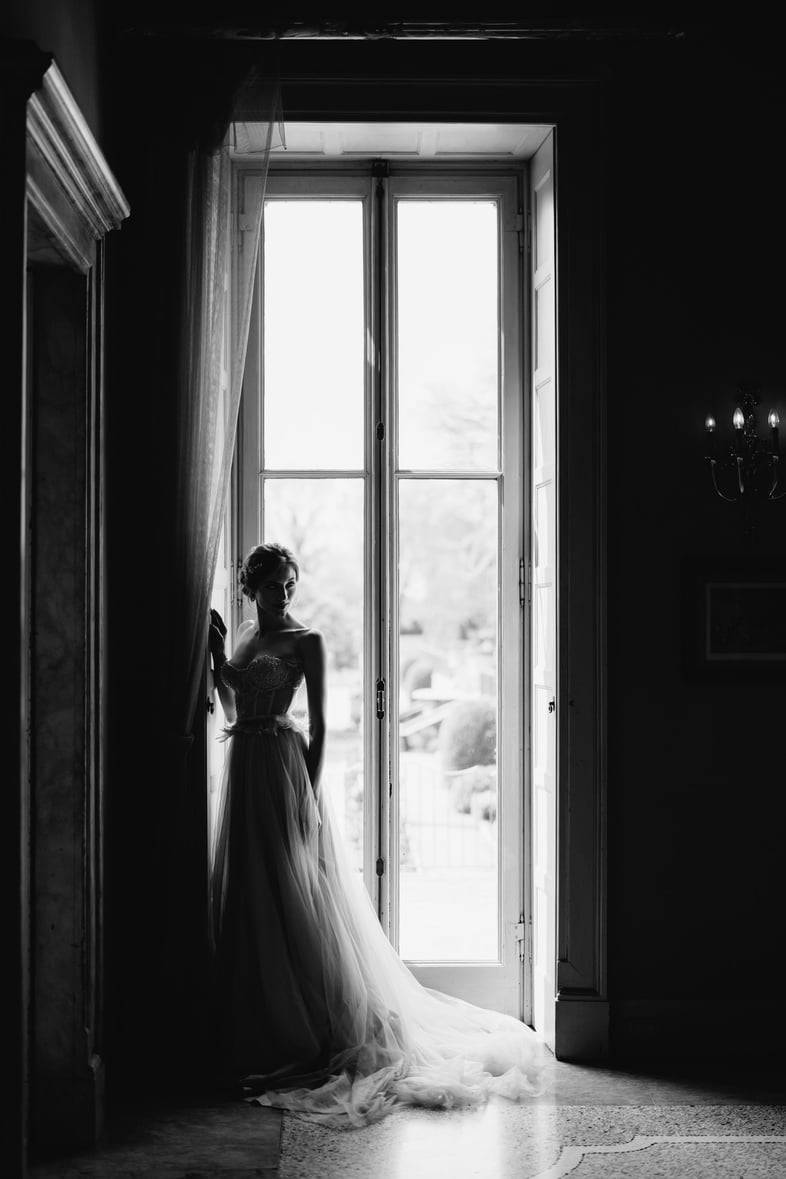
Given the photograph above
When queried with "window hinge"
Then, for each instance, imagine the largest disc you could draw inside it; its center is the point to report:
(524, 225)
(380, 867)
(524, 230)
(519, 226)
(380, 431)
(380, 699)
(520, 931)
(525, 581)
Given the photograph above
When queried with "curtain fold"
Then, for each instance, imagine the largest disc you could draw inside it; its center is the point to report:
(215, 314)
(215, 291)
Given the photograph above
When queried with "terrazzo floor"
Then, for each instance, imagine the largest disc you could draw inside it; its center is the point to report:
(591, 1123)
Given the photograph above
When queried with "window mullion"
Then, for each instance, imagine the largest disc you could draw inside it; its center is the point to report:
(380, 437)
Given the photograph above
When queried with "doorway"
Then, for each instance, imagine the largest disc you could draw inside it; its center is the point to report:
(385, 436)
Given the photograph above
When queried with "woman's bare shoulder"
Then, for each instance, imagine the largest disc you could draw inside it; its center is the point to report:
(311, 643)
(244, 636)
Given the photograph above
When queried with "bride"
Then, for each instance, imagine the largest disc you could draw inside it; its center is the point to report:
(315, 1011)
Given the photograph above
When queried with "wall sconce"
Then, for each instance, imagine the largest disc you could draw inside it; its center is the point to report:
(746, 471)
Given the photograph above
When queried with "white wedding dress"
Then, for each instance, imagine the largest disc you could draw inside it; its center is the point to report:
(316, 1013)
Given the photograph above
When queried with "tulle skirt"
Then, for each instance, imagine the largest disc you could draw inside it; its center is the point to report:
(316, 1013)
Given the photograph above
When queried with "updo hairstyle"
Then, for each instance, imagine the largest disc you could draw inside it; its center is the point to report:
(260, 562)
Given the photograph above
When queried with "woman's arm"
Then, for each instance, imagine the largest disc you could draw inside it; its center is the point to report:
(215, 639)
(312, 648)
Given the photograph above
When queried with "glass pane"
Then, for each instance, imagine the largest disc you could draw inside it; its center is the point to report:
(447, 730)
(448, 337)
(321, 520)
(314, 335)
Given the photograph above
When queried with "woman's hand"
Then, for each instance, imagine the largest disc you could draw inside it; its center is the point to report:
(215, 637)
(215, 640)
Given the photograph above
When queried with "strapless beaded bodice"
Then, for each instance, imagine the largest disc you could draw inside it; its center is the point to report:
(265, 686)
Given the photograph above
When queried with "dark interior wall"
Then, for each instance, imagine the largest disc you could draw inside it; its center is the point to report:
(695, 255)
(72, 31)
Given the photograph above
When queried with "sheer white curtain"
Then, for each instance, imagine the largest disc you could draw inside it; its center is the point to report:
(215, 317)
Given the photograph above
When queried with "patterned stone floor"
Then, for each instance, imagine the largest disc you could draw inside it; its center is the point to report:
(591, 1123)
(547, 1142)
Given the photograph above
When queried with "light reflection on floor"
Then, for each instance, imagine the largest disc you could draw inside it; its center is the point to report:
(589, 1123)
(504, 1141)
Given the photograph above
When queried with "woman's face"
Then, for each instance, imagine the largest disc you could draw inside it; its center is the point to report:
(275, 592)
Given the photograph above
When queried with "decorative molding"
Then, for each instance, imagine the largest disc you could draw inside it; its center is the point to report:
(69, 183)
(53, 235)
(387, 28)
(22, 66)
(72, 202)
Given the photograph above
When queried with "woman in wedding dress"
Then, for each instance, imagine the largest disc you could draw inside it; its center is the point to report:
(315, 1011)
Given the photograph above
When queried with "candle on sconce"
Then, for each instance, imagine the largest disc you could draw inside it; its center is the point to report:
(773, 421)
(709, 426)
(738, 421)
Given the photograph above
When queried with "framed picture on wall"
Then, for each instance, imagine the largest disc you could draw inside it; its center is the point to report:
(734, 618)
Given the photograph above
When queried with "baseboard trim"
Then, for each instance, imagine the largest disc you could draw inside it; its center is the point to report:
(689, 1032)
(581, 1030)
(698, 1031)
